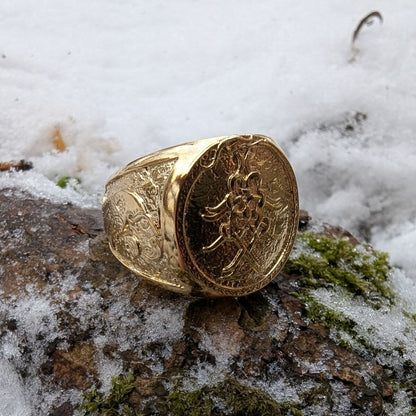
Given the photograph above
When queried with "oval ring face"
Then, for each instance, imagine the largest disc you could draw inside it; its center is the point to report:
(237, 215)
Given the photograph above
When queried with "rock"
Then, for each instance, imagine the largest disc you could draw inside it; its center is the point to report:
(75, 367)
(78, 317)
(304, 219)
(220, 319)
(65, 409)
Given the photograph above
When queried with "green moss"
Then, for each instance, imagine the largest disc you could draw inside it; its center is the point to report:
(114, 403)
(411, 316)
(239, 400)
(336, 264)
(228, 397)
(331, 263)
(319, 313)
(195, 403)
(291, 409)
(64, 181)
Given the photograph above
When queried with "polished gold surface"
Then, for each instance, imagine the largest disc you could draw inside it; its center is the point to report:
(215, 217)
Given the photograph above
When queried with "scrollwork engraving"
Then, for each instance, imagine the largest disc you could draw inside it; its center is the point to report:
(135, 217)
(241, 215)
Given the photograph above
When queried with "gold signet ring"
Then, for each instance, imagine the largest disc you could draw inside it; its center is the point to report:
(214, 217)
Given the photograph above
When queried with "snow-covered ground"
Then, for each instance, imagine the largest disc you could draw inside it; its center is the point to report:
(121, 79)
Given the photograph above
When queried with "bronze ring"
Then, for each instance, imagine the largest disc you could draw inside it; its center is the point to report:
(214, 217)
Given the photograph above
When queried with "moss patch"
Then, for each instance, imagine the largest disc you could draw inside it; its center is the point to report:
(359, 271)
(330, 263)
(114, 403)
(66, 180)
(411, 316)
(353, 271)
(228, 396)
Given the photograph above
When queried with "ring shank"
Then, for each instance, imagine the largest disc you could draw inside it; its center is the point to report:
(139, 214)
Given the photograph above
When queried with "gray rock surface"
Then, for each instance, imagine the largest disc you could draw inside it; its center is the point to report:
(72, 317)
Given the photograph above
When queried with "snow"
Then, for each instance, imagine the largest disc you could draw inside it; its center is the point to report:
(13, 401)
(386, 329)
(119, 80)
(35, 317)
(123, 324)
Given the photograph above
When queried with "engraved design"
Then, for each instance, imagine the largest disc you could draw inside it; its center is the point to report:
(208, 158)
(217, 217)
(138, 239)
(241, 214)
(132, 207)
(237, 215)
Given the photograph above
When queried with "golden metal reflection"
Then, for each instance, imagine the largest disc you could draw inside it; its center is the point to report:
(215, 217)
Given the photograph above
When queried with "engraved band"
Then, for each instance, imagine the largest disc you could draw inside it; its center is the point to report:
(214, 217)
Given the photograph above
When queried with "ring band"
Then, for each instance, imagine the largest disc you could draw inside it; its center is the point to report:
(215, 217)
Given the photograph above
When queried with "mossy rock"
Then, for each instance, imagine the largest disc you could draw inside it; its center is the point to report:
(279, 351)
(330, 263)
(337, 264)
(227, 397)
(114, 403)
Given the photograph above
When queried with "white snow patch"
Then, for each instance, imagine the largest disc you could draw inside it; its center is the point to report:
(164, 322)
(200, 375)
(13, 400)
(119, 82)
(390, 329)
(107, 369)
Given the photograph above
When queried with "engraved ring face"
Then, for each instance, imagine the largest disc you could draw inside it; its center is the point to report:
(214, 217)
(237, 214)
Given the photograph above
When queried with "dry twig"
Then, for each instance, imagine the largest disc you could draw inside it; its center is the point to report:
(15, 165)
(367, 20)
